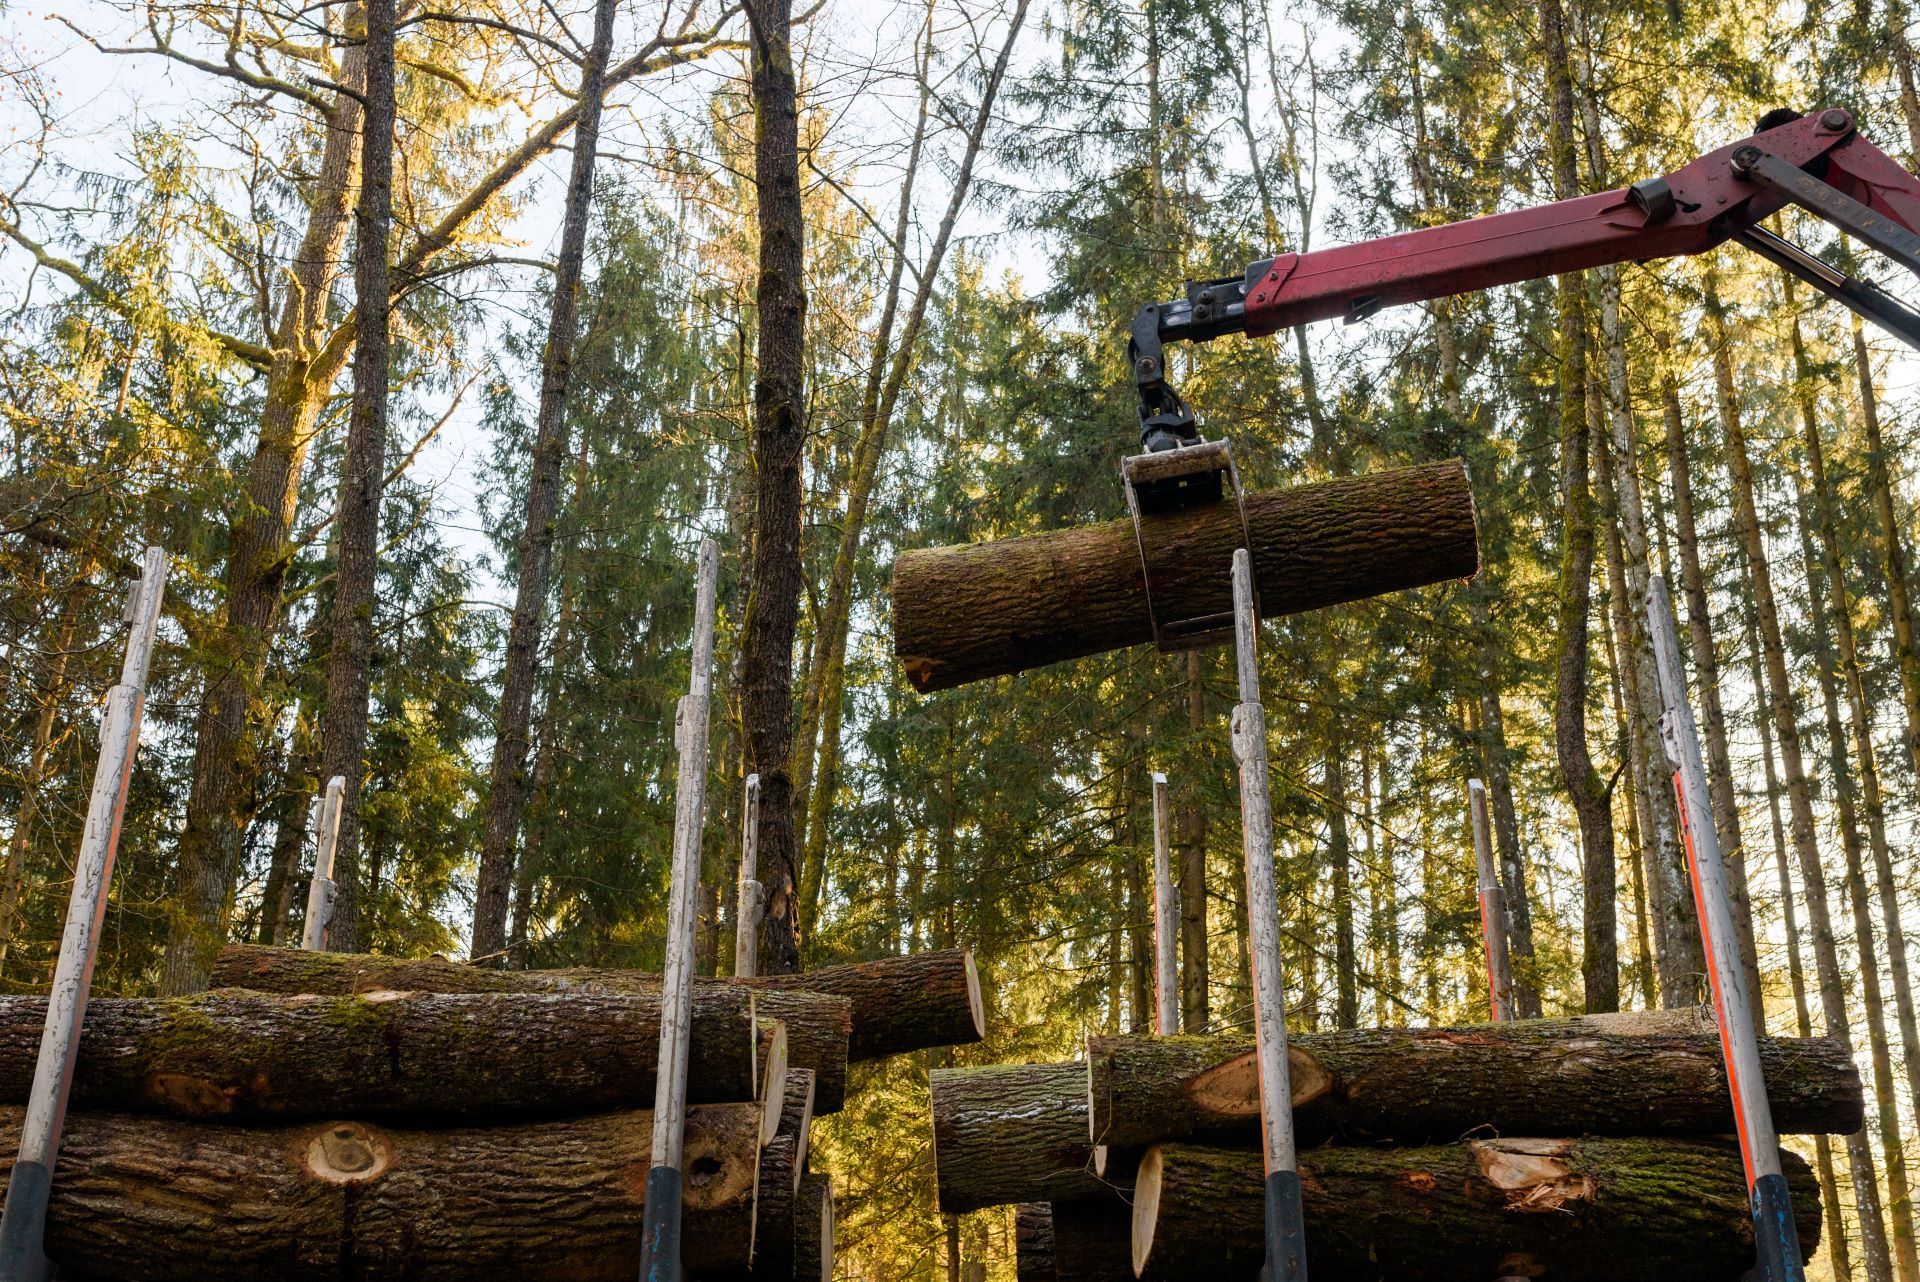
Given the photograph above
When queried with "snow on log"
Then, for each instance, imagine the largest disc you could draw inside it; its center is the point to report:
(987, 609)
(1568, 1210)
(1655, 1073)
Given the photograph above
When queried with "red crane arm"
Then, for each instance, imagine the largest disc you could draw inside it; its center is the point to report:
(1711, 201)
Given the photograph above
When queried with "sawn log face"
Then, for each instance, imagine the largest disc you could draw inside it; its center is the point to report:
(988, 609)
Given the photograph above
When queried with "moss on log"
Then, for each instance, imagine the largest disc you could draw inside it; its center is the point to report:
(1634, 1074)
(558, 1201)
(390, 1055)
(987, 609)
(818, 1024)
(1590, 1210)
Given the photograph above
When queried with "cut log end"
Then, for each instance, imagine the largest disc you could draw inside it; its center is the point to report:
(773, 1081)
(974, 1000)
(1146, 1206)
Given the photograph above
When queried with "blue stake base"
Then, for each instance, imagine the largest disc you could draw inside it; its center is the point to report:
(1286, 1230)
(660, 1227)
(23, 1225)
(1776, 1243)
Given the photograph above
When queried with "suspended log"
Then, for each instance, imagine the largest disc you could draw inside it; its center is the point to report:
(1011, 1133)
(1634, 1074)
(390, 1055)
(1590, 1210)
(818, 1024)
(988, 609)
(160, 1200)
(813, 1230)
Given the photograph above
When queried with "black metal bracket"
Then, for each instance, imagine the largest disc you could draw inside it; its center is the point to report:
(1210, 309)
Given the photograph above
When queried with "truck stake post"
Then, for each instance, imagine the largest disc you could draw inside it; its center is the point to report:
(1166, 910)
(660, 1232)
(321, 891)
(23, 1224)
(1776, 1243)
(1286, 1236)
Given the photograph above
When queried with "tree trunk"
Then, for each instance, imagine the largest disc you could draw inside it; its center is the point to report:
(245, 1056)
(1837, 1248)
(1592, 1074)
(258, 554)
(982, 610)
(1838, 607)
(294, 808)
(876, 418)
(779, 444)
(1786, 731)
(1506, 823)
(1346, 1010)
(1011, 1133)
(1570, 1210)
(363, 469)
(1194, 975)
(164, 1200)
(1706, 680)
(507, 785)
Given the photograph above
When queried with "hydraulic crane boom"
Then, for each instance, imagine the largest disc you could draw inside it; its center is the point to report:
(1819, 162)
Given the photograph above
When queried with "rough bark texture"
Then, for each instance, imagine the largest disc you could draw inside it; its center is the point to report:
(1566, 1210)
(984, 610)
(247, 1055)
(813, 1230)
(779, 446)
(1634, 1074)
(1033, 1243)
(139, 1197)
(363, 470)
(899, 1004)
(1011, 1133)
(507, 781)
(817, 1023)
(782, 1159)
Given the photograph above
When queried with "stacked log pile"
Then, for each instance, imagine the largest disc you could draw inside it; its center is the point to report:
(331, 1116)
(1546, 1148)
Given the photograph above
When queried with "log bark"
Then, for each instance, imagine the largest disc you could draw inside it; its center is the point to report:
(155, 1199)
(1011, 1133)
(242, 1056)
(1033, 1243)
(782, 1160)
(813, 1230)
(1568, 1210)
(983, 610)
(1639, 1074)
(818, 1024)
(899, 1004)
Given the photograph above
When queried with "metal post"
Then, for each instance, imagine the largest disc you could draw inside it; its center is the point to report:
(321, 890)
(23, 1224)
(1166, 912)
(1493, 908)
(1286, 1236)
(1776, 1243)
(746, 914)
(660, 1231)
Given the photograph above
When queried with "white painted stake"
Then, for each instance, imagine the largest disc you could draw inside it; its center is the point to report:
(689, 814)
(746, 914)
(21, 1233)
(1493, 908)
(1166, 912)
(321, 891)
(1286, 1246)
